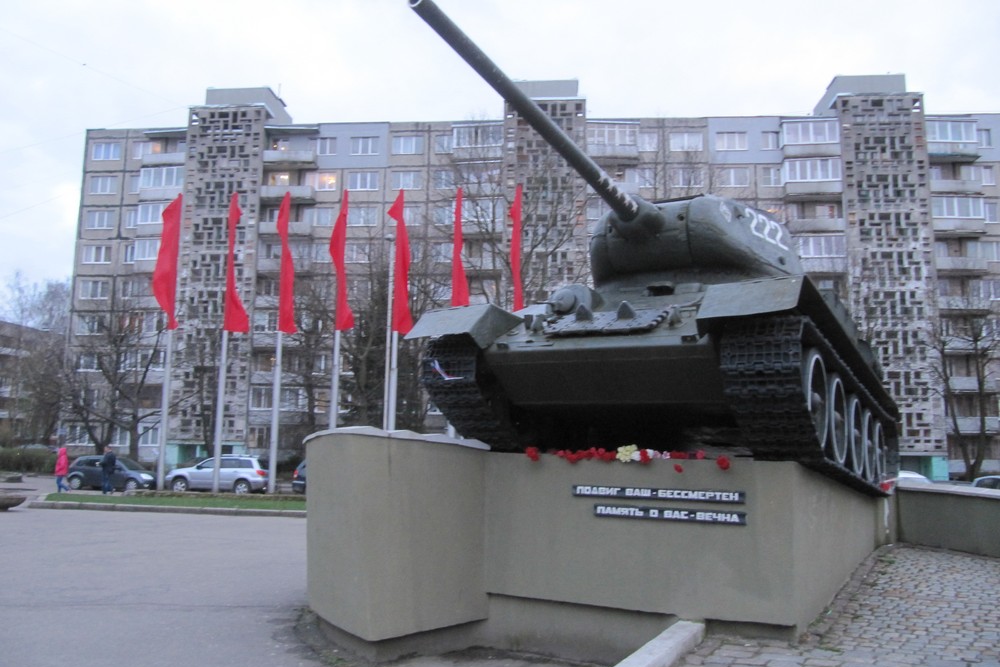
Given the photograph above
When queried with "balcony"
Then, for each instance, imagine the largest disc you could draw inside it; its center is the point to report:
(290, 159)
(295, 228)
(626, 151)
(964, 305)
(162, 159)
(962, 187)
(159, 194)
(811, 150)
(301, 194)
(816, 225)
(966, 265)
(952, 151)
(959, 226)
(821, 190)
(824, 265)
(967, 385)
(970, 425)
(476, 153)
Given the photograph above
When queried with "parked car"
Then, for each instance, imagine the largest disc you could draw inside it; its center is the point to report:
(239, 474)
(129, 475)
(911, 476)
(987, 482)
(299, 478)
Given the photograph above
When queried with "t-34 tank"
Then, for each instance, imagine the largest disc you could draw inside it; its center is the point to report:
(701, 326)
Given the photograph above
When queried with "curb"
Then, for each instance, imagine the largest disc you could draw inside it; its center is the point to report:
(668, 647)
(106, 507)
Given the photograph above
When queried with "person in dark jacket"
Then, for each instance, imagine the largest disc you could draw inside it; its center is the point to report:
(108, 463)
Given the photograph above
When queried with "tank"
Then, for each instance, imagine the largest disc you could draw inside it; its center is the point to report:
(700, 329)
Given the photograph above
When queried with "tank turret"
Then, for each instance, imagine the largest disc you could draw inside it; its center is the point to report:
(700, 328)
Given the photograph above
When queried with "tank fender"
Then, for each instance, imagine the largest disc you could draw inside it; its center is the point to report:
(483, 322)
(749, 297)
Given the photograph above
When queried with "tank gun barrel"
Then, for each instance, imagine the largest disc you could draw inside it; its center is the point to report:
(621, 203)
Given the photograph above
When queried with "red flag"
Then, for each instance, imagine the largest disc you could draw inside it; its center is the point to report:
(515, 249)
(234, 317)
(459, 284)
(343, 317)
(402, 319)
(165, 272)
(286, 282)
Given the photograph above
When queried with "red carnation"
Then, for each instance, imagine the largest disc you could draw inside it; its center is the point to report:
(532, 453)
(678, 467)
(643, 457)
(700, 454)
(722, 462)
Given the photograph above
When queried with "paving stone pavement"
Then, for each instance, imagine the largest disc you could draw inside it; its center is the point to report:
(904, 606)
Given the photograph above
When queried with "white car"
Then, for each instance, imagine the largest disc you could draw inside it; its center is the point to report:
(239, 474)
(911, 476)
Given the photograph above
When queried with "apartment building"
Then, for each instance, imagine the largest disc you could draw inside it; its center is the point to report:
(894, 208)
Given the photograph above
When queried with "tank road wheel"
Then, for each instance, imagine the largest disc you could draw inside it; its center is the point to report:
(856, 433)
(817, 393)
(868, 442)
(838, 419)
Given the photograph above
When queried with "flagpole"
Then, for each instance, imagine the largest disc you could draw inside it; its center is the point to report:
(335, 380)
(388, 411)
(164, 409)
(272, 466)
(219, 411)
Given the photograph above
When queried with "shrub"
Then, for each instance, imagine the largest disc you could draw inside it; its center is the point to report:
(27, 460)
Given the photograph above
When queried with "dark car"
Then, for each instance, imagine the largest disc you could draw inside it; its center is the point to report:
(129, 475)
(299, 478)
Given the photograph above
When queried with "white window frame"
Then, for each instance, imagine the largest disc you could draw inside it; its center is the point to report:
(103, 184)
(367, 145)
(408, 144)
(96, 254)
(362, 215)
(161, 177)
(99, 219)
(687, 177)
(822, 245)
(102, 151)
(800, 170)
(730, 141)
(406, 180)
(687, 142)
(799, 132)
(362, 180)
(726, 177)
(146, 249)
(150, 213)
(326, 146)
(92, 289)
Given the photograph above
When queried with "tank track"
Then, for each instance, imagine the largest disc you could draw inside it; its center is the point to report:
(761, 362)
(456, 386)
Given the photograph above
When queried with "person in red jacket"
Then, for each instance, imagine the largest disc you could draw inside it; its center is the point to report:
(62, 467)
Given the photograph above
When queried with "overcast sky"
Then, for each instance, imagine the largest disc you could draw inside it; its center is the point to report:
(72, 65)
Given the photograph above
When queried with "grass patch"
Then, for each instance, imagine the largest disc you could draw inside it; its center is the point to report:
(227, 501)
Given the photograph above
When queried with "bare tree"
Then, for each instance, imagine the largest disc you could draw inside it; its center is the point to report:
(965, 350)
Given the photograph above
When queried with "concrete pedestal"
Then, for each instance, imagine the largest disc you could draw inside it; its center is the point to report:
(425, 544)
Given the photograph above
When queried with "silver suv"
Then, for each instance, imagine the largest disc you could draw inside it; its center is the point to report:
(241, 474)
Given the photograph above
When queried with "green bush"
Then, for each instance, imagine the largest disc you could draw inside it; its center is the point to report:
(27, 460)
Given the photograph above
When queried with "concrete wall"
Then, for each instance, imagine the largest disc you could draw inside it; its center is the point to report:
(423, 545)
(949, 516)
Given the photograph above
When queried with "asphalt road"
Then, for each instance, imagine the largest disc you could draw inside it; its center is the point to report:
(118, 588)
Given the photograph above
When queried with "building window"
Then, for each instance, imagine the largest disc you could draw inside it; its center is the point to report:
(362, 216)
(812, 169)
(151, 213)
(643, 177)
(989, 175)
(146, 249)
(323, 181)
(364, 145)
(730, 141)
(87, 361)
(733, 177)
(106, 150)
(161, 177)
(649, 142)
(319, 216)
(89, 325)
(103, 185)
(326, 146)
(444, 179)
(769, 141)
(94, 289)
(985, 138)
(362, 180)
(957, 207)
(686, 177)
(823, 245)
(261, 398)
(770, 176)
(128, 253)
(265, 321)
(141, 148)
(810, 131)
(357, 252)
(99, 219)
(410, 144)
(990, 211)
(611, 134)
(97, 254)
(477, 136)
(406, 180)
(952, 131)
(686, 141)
(443, 144)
